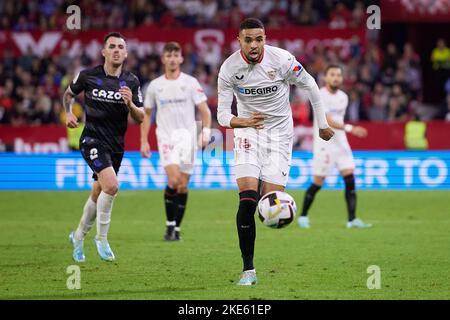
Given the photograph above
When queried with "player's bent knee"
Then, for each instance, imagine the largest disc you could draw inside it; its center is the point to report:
(95, 194)
(111, 188)
(269, 187)
(318, 180)
(247, 183)
(346, 172)
(174, 182)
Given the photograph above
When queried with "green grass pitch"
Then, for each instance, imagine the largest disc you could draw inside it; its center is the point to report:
(410, 242)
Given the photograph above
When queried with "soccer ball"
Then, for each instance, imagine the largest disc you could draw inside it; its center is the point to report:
(276, 209)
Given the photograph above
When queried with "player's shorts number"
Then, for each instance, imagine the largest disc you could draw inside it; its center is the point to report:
(93, 153)
(243, 143)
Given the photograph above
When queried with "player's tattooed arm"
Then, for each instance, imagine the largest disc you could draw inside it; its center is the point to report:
(68, 99)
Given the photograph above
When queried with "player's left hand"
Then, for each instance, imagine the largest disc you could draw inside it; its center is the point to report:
(71, 120)
(360, 132)
(204, 137)
(127, 95)
(326, 134)
(203, 141)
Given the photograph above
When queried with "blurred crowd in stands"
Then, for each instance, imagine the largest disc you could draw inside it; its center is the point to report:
(383, 83)
(28, 15)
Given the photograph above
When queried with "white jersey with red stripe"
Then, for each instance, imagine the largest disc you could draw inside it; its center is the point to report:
(260, 87)
(263, 87)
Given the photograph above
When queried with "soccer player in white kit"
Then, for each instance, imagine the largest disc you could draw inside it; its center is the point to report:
(336, 151)
(260, 76)
(175, 95)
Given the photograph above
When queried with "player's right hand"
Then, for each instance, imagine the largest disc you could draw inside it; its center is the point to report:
(71, 120)
(326, 134)
(360, 132)
(256, 120)
(145, 150)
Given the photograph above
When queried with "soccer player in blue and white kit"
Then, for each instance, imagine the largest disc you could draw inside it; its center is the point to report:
(260, 77)
(336, 151)
(176, 96)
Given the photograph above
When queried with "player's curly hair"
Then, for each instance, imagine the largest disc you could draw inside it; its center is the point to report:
(251, 23)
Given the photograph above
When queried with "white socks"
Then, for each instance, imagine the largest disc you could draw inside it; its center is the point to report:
(104, 207)
(87, 219)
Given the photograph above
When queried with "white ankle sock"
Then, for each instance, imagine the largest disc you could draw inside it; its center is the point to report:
(87, 219)
(104, 207)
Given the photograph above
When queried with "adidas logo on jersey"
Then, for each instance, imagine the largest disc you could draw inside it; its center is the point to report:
(257, 91)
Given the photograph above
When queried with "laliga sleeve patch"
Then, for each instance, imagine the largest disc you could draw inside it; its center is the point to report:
(298, 68)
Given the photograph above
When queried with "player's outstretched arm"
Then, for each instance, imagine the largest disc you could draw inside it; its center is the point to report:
(145, 129)
(357, 131)
(305, 81)
(68, 98)
(205, 114)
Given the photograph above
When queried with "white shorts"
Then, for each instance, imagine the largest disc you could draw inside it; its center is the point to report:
(325, 158)
(179, 149)
(262, 154)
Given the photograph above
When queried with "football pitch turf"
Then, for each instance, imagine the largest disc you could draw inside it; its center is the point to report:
(409, 242)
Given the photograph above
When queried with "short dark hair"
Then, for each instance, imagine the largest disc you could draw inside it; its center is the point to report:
(251, 23)
(172, 46)
(334, 66)
(114, 35)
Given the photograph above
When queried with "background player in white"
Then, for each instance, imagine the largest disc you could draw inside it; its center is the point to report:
(336, 151)
(260, 76)
(175, 96)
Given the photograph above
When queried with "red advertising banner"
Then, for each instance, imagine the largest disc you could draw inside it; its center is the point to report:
(146, 40)
(53, 139)
(415, 11)
(45, 139)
